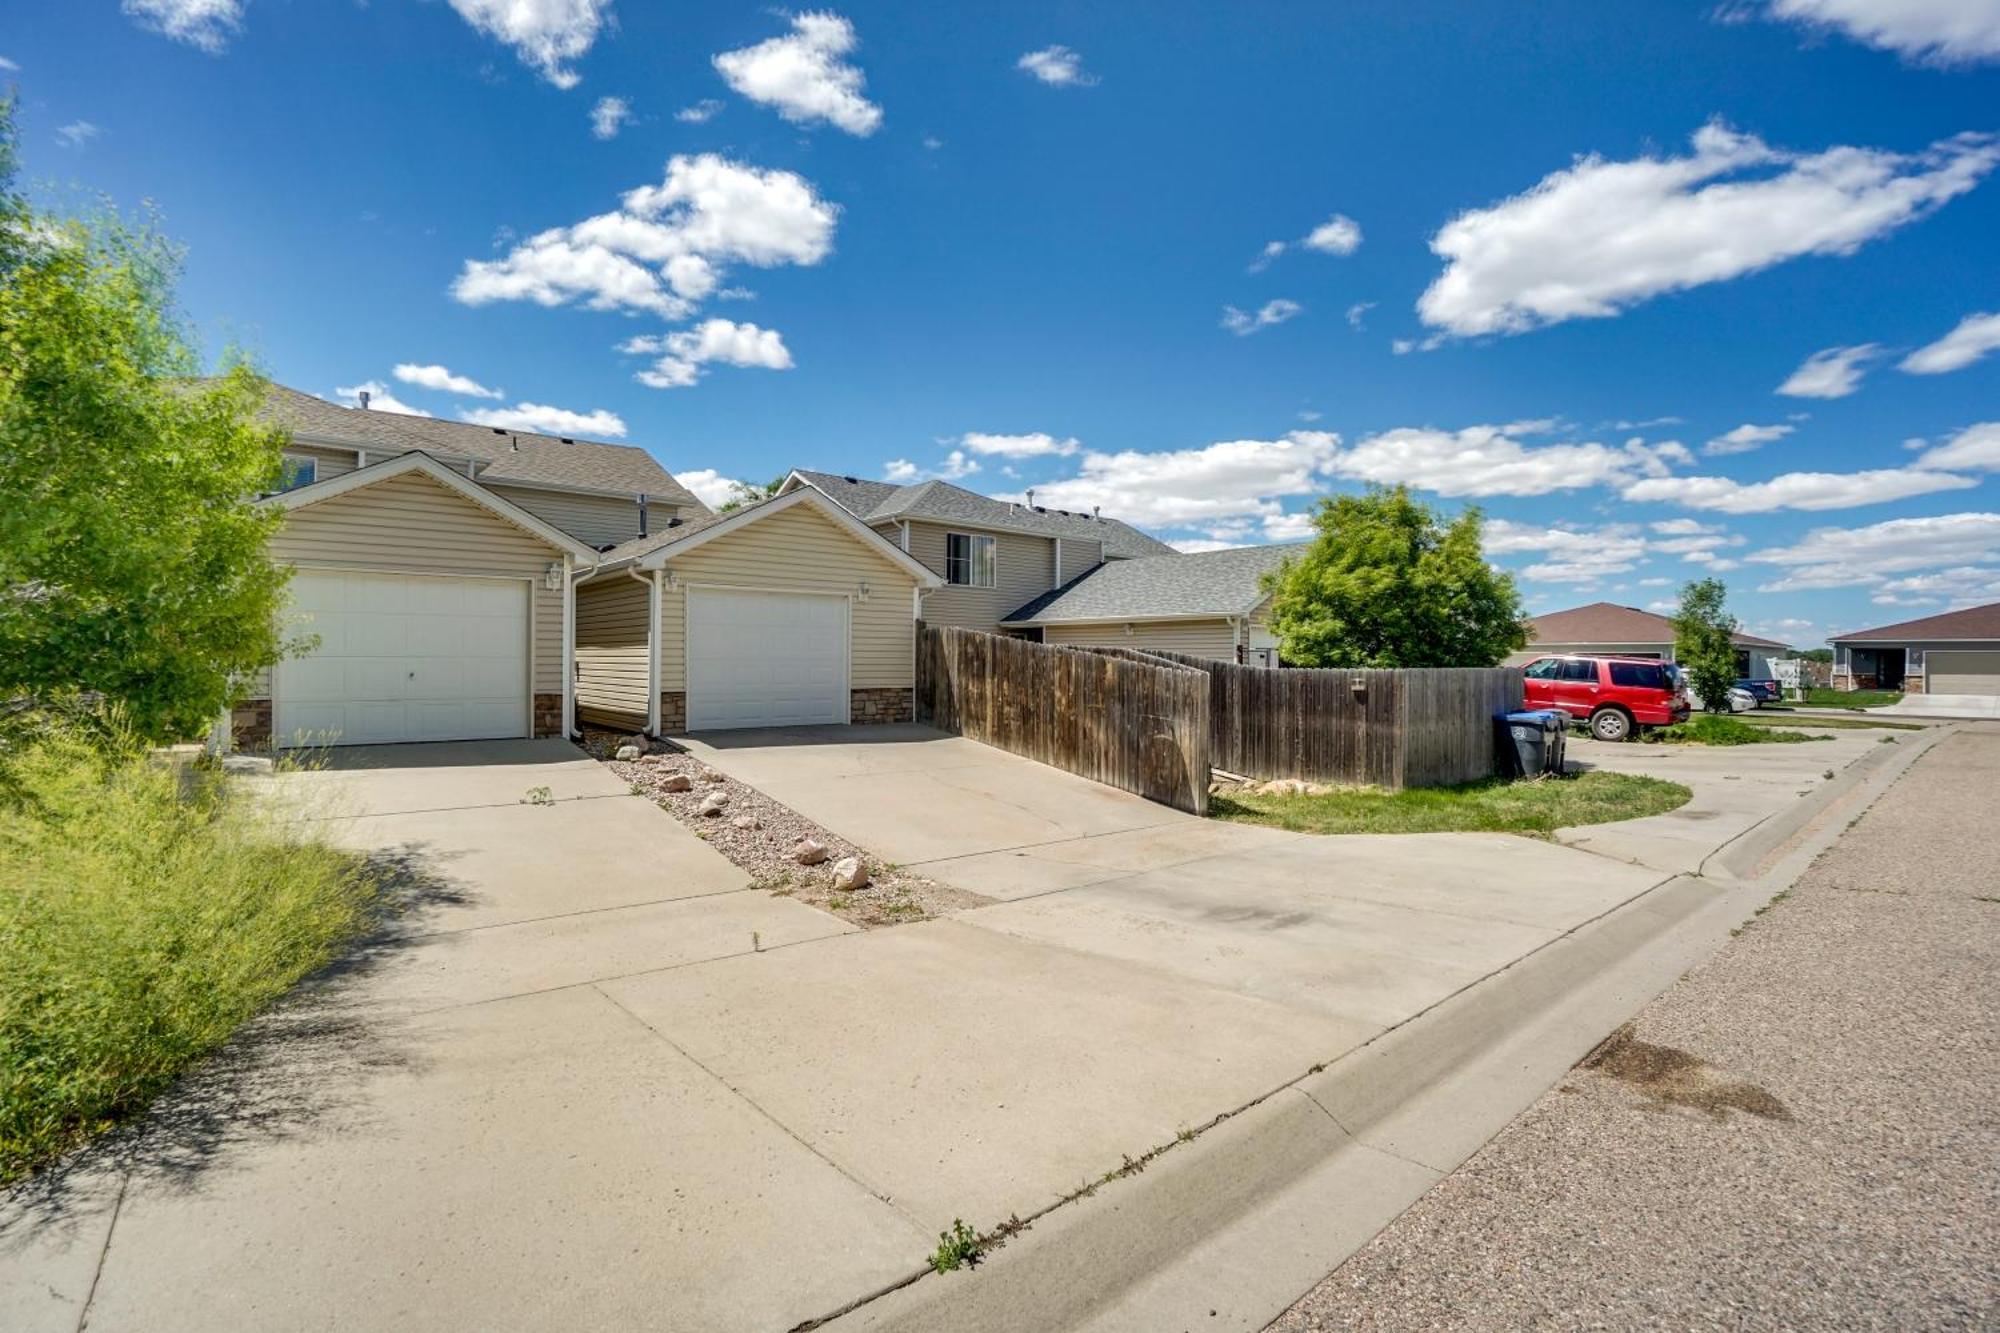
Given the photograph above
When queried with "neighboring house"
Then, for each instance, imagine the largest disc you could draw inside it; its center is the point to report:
(990, 555)
(1954, 653)
(1607, 629)
(434, 564)
(1211, 604)
(789, 611)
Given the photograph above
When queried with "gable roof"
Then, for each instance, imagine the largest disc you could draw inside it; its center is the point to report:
(508, 455)
(940, 501)
(1972, 622)
(655, 549)
(1609, 623)
(1161, 587)
(417, 461)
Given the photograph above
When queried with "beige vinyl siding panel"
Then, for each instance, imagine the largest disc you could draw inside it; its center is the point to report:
(799, 550)
(1197, 638)
(410, 524)
(1024, 567)
(1078, 556)
(611, 623)
(596, 520)
(327, 463)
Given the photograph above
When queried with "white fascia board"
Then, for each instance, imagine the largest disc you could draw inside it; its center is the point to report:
(416, 460)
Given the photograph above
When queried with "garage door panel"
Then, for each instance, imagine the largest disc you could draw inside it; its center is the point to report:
(406, 658)
(1962, 671)
(765, 659)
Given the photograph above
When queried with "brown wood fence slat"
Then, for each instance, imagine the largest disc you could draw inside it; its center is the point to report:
(1409, 728)
(1119, 718)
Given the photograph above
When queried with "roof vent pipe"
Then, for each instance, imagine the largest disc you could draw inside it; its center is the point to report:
(1093, 515)
(364, 396)
(642, 514)
(1031, 497)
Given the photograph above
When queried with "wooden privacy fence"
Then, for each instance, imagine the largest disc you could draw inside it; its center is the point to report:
(1134, 724)
(1395, 729)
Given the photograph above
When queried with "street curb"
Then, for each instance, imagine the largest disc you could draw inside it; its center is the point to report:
(1226, 1231)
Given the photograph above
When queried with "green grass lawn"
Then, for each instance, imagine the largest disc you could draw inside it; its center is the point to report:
(1725, 729)
(139, 926)
(1825, 698)
(1496, 805)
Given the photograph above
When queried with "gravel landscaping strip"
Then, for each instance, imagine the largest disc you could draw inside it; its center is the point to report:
(762, 837)
(1802, 1133)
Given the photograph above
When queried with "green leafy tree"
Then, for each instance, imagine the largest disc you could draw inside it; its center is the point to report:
(1388, 583)
(132, 563)
(1705, 641)
(749, 492)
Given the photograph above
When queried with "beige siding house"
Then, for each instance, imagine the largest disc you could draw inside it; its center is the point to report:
(787, 612)
(1209, 605)
(433, 567)
(1607, 629)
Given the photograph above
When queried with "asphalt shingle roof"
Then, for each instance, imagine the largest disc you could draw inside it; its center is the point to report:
(1610, 623)
(1973, 622)
(881, 501)
(509, 455)
(1221, 583)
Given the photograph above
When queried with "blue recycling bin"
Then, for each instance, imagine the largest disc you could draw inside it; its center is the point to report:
(1531, 742)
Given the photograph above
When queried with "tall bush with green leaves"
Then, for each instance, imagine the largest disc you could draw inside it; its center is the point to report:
(132, 563)
(1705, 641)
(1387, 582)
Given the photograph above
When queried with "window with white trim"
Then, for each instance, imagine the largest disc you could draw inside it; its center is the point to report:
(298, 470)
(968, 559)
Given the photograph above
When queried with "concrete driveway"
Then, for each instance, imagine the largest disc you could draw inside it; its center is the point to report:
(594, 1080)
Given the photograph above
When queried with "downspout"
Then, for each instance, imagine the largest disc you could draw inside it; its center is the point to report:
(569, 727)
(1236, 636)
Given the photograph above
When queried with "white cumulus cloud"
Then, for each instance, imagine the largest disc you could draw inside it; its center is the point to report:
(804, 76)
(1338, 235)
(1974, 449)
(539, 419)
(682, 355)
(662, 250)
(699, 113)
(1832, 372)
(1038, 444)
(1601, 236)
(1975, 336)
(1942, 32)
(1242, 323)
(1745, 438)
(205, 24)
(1179, 487)
(709, 486)
(1057, 66)
(547, 35)
(77, 133)
(1796, 490)
(1570, 554)
(1849, 557)
(443, 380)
(1490, 460)
(610, 115)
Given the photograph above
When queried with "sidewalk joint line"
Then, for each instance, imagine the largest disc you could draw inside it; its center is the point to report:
(103, 1252)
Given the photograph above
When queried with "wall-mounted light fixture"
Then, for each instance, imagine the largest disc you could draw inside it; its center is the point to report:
(552, 576)
(861, 592)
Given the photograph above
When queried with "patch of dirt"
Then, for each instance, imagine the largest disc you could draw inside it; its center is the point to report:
(1670, 1077)
(763, 846)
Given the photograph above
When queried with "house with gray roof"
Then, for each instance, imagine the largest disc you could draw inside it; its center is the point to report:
(1209, 604)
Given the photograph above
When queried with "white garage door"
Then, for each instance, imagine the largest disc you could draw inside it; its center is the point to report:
(1962, 672)
(405, 659)
(757, 659)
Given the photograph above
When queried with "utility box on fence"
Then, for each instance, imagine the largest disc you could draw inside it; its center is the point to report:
(1531, 743)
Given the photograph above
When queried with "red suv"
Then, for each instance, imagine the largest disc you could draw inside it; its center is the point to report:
(1615, 695)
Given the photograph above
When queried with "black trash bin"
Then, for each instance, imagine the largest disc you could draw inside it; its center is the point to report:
(1531, 742)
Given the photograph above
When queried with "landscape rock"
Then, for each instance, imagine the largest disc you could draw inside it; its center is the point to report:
(745, 822)
(628, 753)
(849, 873)
(709, 775)
(640, 743)
(677, 782)
(711, 804)
(809, 852)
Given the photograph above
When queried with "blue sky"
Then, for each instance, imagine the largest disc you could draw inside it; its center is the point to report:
(1556, 260)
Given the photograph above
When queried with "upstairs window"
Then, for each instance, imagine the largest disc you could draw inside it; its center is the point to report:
(298, 471)
(968, 560)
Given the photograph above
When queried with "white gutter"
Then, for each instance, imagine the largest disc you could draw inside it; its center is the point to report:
(652, 587)
(569, 726)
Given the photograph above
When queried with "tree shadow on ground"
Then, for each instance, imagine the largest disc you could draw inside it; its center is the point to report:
(298, 1068)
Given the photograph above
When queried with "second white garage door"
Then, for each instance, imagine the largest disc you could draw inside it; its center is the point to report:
(404, 658)
(1962, 671)
(760, 659)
